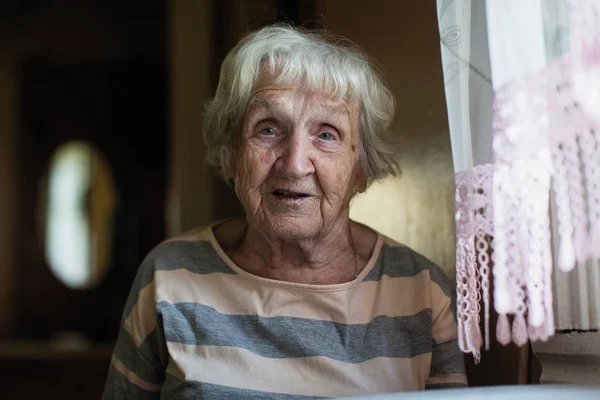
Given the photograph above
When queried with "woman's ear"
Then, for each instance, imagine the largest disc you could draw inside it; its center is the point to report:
(230, 178)
(229, 170)
(361, 182)
(363, 186)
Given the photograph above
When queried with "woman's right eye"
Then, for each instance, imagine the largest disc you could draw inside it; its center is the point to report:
(267, 131)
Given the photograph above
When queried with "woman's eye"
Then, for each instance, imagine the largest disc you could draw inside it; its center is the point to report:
(268, 131)
(327, 136)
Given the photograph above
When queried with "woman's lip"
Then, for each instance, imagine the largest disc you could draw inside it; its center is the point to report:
(289, 193)
(290, 199)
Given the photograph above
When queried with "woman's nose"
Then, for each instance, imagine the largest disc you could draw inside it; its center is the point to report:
(296, 160)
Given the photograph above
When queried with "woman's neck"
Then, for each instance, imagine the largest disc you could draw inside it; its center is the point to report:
(329, 258)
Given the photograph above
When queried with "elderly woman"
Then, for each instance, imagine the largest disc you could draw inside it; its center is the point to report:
(295, 300)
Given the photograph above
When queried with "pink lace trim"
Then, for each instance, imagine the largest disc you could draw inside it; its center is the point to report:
(473, 217)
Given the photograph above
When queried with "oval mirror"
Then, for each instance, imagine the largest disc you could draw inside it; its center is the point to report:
(79, 202)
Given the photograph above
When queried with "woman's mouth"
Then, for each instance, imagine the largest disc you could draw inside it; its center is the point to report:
(283, 194)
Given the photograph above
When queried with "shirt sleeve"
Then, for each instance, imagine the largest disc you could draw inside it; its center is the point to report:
(137, 368)
(447, 362)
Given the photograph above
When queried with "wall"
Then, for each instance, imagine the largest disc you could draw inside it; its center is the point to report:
(190, 200)
(416, 209)
(8, 126)
(570, 358)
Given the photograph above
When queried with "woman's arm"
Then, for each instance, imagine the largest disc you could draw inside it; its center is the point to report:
(447, 362)
(138, 364)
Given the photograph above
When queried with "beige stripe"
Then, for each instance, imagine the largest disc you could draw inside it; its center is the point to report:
(444, 323)
(238, 295)
(132, 376)
(309, 376)
(142, 319)
(449, 378)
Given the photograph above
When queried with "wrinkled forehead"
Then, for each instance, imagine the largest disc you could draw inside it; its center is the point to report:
(277, 98)
(316, 80)
(268, 89)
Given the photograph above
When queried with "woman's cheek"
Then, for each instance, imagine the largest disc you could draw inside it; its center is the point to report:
(254, 168)
(339, 179)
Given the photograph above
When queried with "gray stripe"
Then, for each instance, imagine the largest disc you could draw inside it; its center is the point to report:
(177, 389)
(119, 387)
(401, 261)
(197, 257)
(149, 361)
(446, 358)
(286, 337)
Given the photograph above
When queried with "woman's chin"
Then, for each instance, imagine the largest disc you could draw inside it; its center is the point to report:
(291, 227)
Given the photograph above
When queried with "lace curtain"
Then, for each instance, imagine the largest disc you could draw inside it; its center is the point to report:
(522, 82)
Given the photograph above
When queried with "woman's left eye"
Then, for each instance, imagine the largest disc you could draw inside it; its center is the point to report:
(327, 136)
(268, 131)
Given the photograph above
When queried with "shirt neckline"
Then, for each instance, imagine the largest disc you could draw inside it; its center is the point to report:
(294, 285)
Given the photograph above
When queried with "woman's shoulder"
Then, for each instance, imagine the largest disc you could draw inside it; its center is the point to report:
(201, 233)
(192, 250)
(399, 260)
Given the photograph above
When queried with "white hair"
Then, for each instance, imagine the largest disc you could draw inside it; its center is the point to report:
(320, 62)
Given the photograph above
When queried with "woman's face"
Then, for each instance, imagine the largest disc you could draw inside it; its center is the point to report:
(296, 161)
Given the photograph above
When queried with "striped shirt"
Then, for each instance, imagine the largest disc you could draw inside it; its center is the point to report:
(197, 326)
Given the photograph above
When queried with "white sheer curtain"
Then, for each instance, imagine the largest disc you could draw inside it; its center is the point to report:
(469, 95)
(523, 96)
